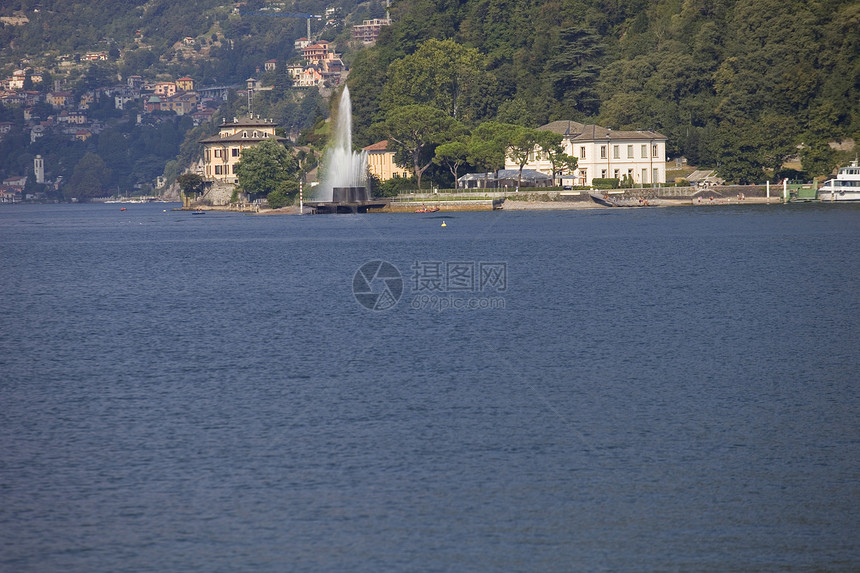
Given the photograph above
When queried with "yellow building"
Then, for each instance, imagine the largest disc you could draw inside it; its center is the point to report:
(222, 152)
(380, 162)
(185, 84)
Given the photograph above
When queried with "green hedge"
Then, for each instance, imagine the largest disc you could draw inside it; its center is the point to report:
(606, 183)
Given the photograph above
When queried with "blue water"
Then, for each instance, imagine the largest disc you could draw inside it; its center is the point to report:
(644, 390)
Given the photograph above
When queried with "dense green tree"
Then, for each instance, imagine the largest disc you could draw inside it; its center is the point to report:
(818, 158)
(89, 178)
(487, 146)
(452, 155)
(550, 145)
(520, 143)
(190, 184)
(445, 75)
(267, 168)
(574, 68)
(738, 156)
(414, 131)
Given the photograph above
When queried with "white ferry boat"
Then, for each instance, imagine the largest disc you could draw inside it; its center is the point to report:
(845, 187)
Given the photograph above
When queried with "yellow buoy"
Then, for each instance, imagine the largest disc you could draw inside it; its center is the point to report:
(443, 224)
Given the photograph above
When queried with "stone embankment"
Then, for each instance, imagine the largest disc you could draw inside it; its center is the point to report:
(548, 200)
(644, 197)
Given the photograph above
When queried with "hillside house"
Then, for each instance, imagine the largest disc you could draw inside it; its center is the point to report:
(315, 52)
(223, 151)
(11, 99)
(152, 104)
(167, 89)
(72, 117)
(59, 100)
(305, 77)
(18, 181)
(368, 31)
(639, 156)
(181, 104)
(185, 84)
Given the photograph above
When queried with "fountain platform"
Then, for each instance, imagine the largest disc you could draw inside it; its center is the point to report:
(347, 200)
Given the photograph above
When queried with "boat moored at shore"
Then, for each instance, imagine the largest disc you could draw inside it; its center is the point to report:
(844, 187)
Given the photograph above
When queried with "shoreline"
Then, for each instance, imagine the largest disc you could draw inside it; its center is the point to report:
(509, 205)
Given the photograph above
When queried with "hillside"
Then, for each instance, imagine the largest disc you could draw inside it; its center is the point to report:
(745, 87)
(76, 79)
(738, 85)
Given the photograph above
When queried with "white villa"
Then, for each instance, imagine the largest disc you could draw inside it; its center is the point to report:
(604, 153)
(222, 152)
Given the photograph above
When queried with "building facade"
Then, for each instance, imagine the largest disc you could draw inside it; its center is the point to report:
(368, 31)
(639, 156)
(380, 162)
(222, 152)
(185, 84)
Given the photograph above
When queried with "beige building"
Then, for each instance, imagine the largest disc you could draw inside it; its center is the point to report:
(167, 89)
(604, 153)
(222, 152)
(368, 32)
(380, 162)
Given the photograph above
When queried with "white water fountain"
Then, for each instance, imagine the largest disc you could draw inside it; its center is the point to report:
(344, 170)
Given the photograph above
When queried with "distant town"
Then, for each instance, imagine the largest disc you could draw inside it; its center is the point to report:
(318, 66)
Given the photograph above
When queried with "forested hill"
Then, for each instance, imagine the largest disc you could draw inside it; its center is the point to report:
(739, 84)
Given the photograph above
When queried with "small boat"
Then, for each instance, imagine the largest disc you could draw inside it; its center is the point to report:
(199, 212)
(844, 187)
(427, 210)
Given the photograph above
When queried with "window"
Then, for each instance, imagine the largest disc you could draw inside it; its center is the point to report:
(217, 152)
(644, 152)
(616, 174)
(644, 176)
(245, 134)
(616, 154)
(217, 170)
(629, 152)
(582, 152)
(603, 152)
(654, 150)
(603, 173)
(208, 156)
(234, 152)
(655, 177)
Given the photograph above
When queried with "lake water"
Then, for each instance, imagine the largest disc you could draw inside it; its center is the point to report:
(610, 390)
